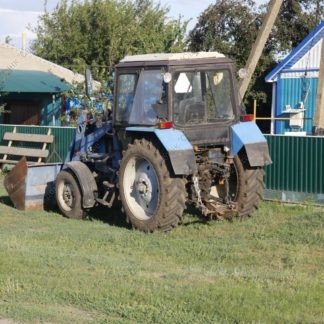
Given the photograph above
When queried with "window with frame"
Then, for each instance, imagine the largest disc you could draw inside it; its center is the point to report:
(140, 97)
(202, 96)
(126, 85)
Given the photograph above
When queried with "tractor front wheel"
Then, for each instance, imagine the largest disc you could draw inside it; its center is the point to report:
(68, 195)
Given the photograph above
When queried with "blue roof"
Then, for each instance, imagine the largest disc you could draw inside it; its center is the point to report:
(298, 52)
(31, 81)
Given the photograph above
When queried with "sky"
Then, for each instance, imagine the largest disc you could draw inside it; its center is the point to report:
(17, 15)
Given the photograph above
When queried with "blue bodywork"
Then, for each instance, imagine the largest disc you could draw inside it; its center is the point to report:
(82, 144)
(245, 133)
(179, 149)
(248, 135)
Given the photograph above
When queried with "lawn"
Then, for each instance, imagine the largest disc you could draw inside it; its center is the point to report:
(268, 268)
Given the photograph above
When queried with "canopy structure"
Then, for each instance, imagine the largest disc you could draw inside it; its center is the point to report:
(24, 81)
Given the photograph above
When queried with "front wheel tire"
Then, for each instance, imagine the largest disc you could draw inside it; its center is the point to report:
(68, 195)
(152, 199)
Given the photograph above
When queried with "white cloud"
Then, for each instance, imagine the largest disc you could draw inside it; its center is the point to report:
(9, 11)
(27, 5)
(14, 22)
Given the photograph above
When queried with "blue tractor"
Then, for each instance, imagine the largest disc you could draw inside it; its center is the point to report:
(176, 134)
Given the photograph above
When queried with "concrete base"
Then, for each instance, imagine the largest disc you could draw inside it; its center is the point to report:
(294, 197)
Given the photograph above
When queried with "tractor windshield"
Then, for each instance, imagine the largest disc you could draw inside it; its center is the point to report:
(202, 96)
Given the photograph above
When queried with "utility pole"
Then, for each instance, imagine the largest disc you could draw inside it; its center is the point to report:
(318, 12)
(319, 112)
(263, 34)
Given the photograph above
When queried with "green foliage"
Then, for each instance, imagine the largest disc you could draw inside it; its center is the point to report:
(2, 108)
(99, 33)
(296, 19)
(228, 26)
(8, 39)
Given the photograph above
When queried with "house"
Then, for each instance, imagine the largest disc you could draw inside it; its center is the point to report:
(31, 88)
(295, 82)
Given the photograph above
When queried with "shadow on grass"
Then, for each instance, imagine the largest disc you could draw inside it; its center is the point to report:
(115, 217)
(196, 217)
(112, 216)
(6, 201)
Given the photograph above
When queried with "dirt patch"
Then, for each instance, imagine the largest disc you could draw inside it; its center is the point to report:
(6, 321)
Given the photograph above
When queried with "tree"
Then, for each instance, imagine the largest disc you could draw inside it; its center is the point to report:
(100, 32)
(231, 26)
(8, 39)
(228, 26)
(296, 19)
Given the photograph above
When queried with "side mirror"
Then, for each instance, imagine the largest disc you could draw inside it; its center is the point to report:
(88, 82)
(242, 73)
(167, 77)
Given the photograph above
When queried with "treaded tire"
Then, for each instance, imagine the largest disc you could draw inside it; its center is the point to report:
(250, 187)
(152, 199)
(68, 195)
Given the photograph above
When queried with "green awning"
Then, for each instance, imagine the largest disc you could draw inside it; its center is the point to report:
(31, 81)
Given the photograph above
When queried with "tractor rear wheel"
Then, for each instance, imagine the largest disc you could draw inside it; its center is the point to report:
(152, 199)
(245, 187)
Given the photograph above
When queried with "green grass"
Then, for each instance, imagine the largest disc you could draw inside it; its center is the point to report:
(268, 269)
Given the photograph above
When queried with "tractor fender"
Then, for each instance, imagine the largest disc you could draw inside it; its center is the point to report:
(179, 149)
(248, 135)
(86, 181)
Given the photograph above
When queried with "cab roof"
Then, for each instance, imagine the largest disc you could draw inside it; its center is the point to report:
(173, 59)
(171, 56)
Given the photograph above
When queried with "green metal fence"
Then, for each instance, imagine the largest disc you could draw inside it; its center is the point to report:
(57, 150)
(298, 162)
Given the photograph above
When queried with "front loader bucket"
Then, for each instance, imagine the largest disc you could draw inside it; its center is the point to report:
(32, 187)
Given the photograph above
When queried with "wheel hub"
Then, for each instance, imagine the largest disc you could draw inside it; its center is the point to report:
(67, 195)
(144, 188)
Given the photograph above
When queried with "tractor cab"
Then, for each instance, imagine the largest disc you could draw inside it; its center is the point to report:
(193, 92)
